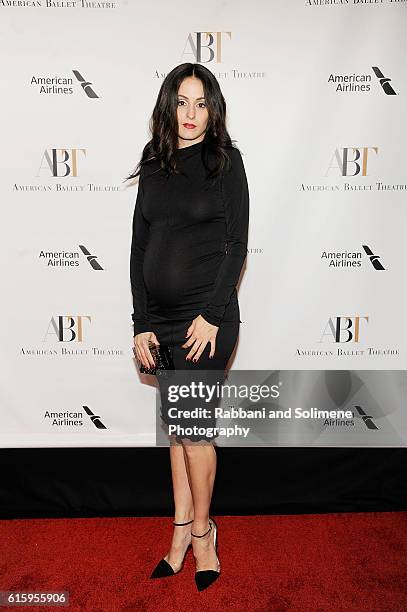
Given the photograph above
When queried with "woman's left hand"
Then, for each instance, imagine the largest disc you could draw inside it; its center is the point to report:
(201, 333)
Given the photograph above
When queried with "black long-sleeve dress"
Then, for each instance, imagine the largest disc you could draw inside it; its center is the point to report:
(188, 247)
(189, 242)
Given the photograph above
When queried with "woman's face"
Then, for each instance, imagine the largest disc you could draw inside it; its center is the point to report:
(191, 112)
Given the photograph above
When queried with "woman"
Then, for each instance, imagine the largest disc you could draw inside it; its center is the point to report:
(189, 244)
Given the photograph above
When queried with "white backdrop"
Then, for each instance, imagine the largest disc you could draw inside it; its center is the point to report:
(310, 87)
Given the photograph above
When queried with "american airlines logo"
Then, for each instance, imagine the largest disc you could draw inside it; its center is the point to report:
(95, 418)
(72, 419)
(91, 258)
(360, 82)
(352, 259)
(86, 85)
(374, 259)
(63, 85)
(366, 418)
(384, 82)
(69, 259)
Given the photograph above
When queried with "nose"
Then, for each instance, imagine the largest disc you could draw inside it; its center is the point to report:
(191, 112)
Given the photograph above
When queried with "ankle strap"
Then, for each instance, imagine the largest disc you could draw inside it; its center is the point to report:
(204, 534)
(187, 523)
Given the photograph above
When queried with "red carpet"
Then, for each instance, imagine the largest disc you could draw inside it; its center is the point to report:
(318, 562)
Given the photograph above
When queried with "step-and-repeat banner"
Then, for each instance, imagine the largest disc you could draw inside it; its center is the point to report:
(317, 98)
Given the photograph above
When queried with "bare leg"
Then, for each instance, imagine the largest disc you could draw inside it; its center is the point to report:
(201, 461)
(184, 510)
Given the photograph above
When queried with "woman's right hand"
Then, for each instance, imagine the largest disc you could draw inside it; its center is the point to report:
(142, 351)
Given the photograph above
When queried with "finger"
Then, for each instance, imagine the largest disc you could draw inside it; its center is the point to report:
(143, 346)
(193, 350)
(190, 330)
(136, 350)
(188, 342)
(149, 355)
(139, 350)
(199, 353)
(137, 355)
(143, 357)
(213, 348)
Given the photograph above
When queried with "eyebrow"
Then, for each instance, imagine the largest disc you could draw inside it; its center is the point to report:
(186, 98)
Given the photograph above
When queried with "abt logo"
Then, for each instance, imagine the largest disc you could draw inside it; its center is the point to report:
(61, 162)
(343, 329)
(67, 328)
(351, 161)
(209, 43)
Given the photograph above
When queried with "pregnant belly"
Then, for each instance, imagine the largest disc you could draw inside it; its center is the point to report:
(179, 276)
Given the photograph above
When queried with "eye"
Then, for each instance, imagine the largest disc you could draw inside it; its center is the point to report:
(203, 104)
(179, 101)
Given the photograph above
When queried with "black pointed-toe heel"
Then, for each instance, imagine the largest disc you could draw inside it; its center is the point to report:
(163, 568)
(204, 578)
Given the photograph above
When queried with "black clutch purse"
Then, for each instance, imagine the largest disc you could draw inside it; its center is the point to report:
(162, 358)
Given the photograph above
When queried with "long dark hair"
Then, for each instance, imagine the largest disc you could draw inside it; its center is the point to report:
(163, 123)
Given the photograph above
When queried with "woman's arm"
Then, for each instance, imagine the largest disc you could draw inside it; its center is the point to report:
(138, 246)
(235, 194)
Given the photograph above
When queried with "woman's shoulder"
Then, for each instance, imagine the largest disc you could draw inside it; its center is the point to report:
(232, 147)
(236, 158)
